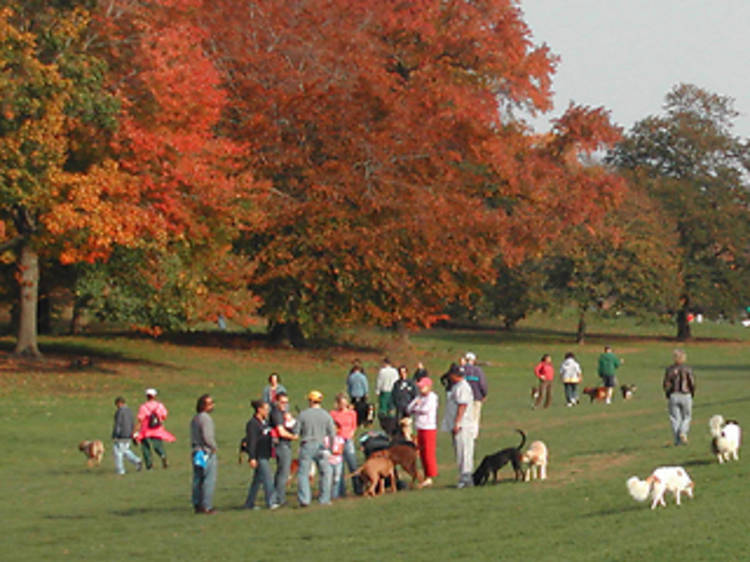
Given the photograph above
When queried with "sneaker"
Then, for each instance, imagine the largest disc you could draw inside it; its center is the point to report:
(274, 506)
(427, 482)
(683, 439)
(569, 404)
(608, 401)
(139, 467)
(164, 463)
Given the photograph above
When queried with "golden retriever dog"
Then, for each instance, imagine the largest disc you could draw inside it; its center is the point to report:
(374, 471)
(534, 461)
(94, 451)
(664, 479)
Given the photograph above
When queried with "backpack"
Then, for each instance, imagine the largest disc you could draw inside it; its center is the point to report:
(153, 420)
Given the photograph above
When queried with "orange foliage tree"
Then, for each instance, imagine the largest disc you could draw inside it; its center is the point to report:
(399, 165)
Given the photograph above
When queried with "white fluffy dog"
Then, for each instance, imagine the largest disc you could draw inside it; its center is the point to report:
(726, 438)
(535, 461)
(664, 479)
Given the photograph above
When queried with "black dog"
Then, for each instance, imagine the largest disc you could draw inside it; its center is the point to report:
(493, 463)
(628, 390)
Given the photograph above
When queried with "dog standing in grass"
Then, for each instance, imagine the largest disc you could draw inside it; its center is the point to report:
(726, 437)
(94, 451)
(664, 479)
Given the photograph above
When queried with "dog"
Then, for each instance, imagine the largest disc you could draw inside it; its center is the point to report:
(374, 473)
(664, 479)
(598, 393)
(94, 451)
(535, 461)
(534, 395)
(405, 455)
(294, 470)
(726, 436)
(628, 390)
(493, 463)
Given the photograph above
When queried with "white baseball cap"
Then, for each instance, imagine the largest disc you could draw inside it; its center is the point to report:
(151, 392)
(470, 356)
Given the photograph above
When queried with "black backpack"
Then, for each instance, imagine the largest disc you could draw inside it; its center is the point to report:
(153, 420)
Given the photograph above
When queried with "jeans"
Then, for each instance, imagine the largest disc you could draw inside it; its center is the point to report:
(571, 392)
(283, 465)
(204, 483)
(680, 407)
(349, 458)
(121, 448)
(308, 453)
(262, 475)
(158, 446)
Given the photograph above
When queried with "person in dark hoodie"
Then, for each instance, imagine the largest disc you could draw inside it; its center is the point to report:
(258, 434)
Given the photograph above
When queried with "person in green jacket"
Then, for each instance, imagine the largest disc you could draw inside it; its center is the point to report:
(608, 365)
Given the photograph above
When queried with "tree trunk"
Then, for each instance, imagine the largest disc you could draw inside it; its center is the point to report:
(683, 326)
(581, 331)
(28, 280)
(286, 334)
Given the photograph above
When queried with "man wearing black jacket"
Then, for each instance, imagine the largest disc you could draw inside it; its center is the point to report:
(122, 433)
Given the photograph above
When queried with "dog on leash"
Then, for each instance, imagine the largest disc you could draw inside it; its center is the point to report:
(628, 390)
(374, 472)
(535, 461)
(726, 436)
(664, 479)
(94, 451)
(493, 463)
(598, 393)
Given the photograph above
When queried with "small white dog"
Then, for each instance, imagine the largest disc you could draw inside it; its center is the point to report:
(664, 479)
(726, 438)
(535, 461)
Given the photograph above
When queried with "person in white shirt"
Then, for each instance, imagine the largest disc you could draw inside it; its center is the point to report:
(424, 408)
(459, 420)
(383, 387)
(571, 374)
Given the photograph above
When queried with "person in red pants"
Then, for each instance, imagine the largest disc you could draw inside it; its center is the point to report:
(424, 409)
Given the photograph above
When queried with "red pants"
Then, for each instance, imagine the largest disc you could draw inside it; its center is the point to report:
(427, 440)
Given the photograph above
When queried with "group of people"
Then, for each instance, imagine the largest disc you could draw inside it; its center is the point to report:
(572, 375)
(327, 438)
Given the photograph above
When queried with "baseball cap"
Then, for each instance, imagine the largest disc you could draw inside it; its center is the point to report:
(151, 392)
(424, 382)
(315, 396)
(470, 356)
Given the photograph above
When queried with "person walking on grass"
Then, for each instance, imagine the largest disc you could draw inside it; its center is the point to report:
(545, 373)
(258, 435)
(571, 374)
(122, 433)
(315, 424)
(203, 454)
(679, 388)
(459, 421)
(151, 432)
(283, 428)
(607, 370)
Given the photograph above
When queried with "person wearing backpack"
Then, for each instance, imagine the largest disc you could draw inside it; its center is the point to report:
(151, 432)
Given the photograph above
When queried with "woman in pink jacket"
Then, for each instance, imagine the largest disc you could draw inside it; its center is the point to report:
(151, 432)
(545, 372)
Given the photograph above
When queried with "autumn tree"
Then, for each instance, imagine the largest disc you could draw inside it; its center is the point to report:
(689, 160)
(399, 165)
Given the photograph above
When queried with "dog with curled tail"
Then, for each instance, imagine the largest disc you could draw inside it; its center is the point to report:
(664, 479)
(725, 438)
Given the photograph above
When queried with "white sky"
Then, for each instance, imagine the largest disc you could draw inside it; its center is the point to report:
(626, 55)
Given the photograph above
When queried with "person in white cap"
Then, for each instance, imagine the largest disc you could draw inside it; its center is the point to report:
(152, 433)
(315, 424)
(478, 383)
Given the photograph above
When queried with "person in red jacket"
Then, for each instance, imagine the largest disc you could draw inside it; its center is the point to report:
(546, 374)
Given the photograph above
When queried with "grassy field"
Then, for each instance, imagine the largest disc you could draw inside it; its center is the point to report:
(55, 508)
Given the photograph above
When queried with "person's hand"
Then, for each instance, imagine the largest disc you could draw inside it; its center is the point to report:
(456, 428)
(253, 463)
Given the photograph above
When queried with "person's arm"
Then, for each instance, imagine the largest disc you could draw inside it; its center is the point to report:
(208, 433)
(252, 442)
(483, 384)
(459, 416)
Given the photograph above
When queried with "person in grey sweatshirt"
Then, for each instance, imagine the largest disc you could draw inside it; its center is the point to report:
(203, 447)
(122, 433)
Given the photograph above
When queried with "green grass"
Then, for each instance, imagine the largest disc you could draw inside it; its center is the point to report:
(54, 507)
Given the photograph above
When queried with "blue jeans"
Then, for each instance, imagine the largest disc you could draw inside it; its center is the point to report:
(283, 464)
(263, 476)
(680, 407)
(350, 460)
(204, 483)
(120, 449)
(571, 391)
(308, 453)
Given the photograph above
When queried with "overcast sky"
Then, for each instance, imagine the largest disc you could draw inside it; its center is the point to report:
(626, 55)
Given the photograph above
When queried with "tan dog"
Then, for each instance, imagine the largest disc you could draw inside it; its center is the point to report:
(535, 460)
(375, 470)
(404, 455)
(94, 451)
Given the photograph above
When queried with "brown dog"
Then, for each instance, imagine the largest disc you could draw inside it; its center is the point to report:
(404, 455)
(94, 451)
(598, 393)
(375, 470)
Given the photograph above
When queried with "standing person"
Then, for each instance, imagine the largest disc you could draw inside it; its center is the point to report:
(679, 387)
(273, 387)
(315, 424)
(283, 428)
(545, 372)
(122, 433)
(258, 435)
(203, 448)
(424, 408)
(458, 420)
(152, 433)
(571, 374)
(607, 367)
(383, 386)
(478, 382)
(345, 419)
(358, 388)
(402, 392)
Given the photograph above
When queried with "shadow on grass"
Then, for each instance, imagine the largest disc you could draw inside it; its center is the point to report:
(614, 511)
(139, 511)
(698, 462)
